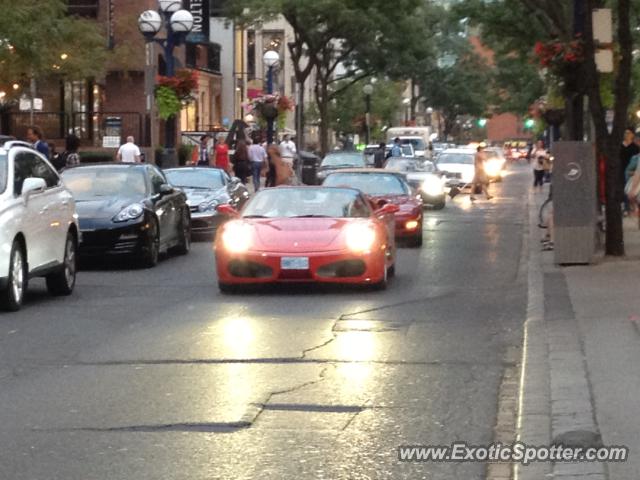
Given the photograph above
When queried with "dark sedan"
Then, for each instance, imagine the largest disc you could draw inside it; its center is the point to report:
(207, 188)
(338, 161)
(129, 209)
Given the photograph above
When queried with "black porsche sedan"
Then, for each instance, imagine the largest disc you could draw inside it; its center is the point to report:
(206, 189)
(129, 209)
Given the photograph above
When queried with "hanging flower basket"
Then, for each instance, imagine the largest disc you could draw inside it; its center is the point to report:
(270, 107)
(554, 117)
(173, 92)
(559, 57)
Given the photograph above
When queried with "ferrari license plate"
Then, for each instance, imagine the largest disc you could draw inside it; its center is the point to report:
(294, 263)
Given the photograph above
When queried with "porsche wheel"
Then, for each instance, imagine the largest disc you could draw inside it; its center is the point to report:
(416, 241)
(151, 249)
(184, 232)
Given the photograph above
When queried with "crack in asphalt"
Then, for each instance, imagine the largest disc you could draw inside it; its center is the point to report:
(204, 427)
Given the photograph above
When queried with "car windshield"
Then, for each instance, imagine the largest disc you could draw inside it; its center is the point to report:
(306, 202)
(3, 172)
(203, 178)
(409, 165)
(343, 159)
(418, 143)
(88, 183)
(464, 158)
(369, 183)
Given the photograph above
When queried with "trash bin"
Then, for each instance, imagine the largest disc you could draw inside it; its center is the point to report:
(574, 202)
(309, 163)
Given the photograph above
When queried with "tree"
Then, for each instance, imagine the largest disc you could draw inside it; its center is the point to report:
(562, 22)
(347, 110)
(39, 40)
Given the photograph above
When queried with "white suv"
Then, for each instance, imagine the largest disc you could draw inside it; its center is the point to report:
(38, 226)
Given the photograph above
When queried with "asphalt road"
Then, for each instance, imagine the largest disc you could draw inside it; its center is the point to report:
(153, 374)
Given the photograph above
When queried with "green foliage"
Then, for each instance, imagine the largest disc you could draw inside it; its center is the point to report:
(184, 153)
(347, 112)
(40, 40)
(168, 102)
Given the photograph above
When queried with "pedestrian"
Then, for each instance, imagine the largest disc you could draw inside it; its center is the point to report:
(480, 178)
(540, 158)
(35, 137)
(628, 150)
(288, 150)
(129, 152)
(396, 149)
(241, 163)
(258, 159)
(283, 170)
(203, 158)
(378, 156)
(70, 156)
(222, 155)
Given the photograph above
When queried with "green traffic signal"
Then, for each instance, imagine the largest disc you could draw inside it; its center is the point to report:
(529, 123)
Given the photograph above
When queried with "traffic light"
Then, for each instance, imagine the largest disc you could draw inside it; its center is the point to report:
(482, 122)
(529, 123)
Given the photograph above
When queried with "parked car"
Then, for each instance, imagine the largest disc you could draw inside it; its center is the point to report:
(129, 209)
(384, 187)
(339, 160)
(38, 226)
(306, 234)
(207, 188)
(423, 176)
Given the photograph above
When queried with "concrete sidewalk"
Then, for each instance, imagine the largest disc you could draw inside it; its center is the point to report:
(581, 359)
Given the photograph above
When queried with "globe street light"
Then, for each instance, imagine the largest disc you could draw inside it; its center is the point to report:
(177, 24)
(271, 59)
(368, 90)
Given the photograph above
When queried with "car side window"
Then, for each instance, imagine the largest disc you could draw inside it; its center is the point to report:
(157, 180)
(21, 170)
(40, 169)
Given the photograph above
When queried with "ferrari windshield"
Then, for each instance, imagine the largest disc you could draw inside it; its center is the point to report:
(307, 202)
(201, 178)
(343, 160)
(460, 158)
(90, 183)
(3, 172)
(369, 183)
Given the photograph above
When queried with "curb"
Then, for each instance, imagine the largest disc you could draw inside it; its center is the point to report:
(555, 402)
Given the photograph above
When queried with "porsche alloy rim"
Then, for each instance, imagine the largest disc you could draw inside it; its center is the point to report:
(17, 276)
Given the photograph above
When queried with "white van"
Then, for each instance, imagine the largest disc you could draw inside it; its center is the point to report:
(419, 137)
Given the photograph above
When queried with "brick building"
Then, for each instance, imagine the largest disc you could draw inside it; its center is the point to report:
(89, 107)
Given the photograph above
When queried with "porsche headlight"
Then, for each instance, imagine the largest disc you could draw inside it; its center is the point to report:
(360, 237)
(433, 187)
(129, 213)
(493, 167)
(237, 237)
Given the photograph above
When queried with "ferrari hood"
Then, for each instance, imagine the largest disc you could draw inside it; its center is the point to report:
(298, 235)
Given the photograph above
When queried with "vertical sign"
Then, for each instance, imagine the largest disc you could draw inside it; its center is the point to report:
(200, 11)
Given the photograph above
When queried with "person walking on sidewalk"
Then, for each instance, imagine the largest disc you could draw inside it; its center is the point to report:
(258, 158)
(35, 136)
(480, 178)
(288, 150)
(628, 150)
(129, 152)
(241, 162)
(540, 158)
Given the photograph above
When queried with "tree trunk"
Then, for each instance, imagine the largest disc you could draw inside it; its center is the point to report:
(322, 101)
(575, 116)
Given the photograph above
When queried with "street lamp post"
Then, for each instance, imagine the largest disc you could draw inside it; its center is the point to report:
(406, 102)
(270, 59)
(177, 24)
(368, 90)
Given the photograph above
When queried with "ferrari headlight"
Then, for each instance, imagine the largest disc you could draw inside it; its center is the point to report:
(208, 206)
(493, 167)
(237, 237)
(129, 213)
(360, 237)
(433, 187)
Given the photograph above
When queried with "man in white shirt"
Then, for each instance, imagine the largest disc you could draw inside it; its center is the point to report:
(257, 156)
(129, 152)
(288, 150)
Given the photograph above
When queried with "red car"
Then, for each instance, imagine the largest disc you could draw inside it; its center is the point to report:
(306, 234)
(385, 187)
